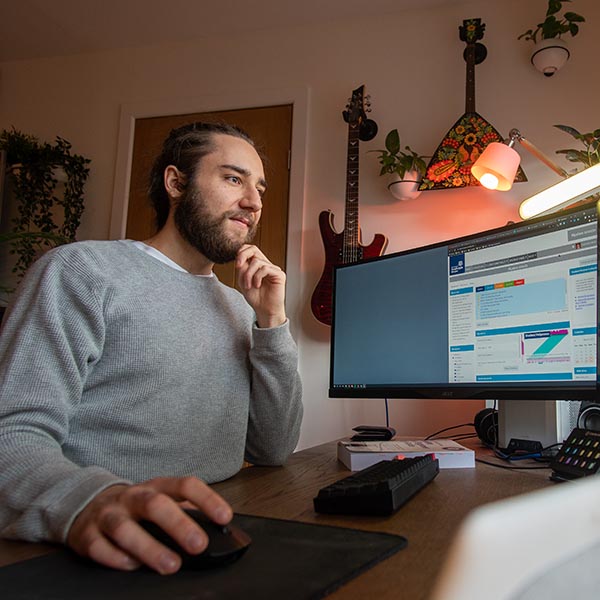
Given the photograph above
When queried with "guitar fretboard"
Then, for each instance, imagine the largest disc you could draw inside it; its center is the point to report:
(470, 89)
(350, 249)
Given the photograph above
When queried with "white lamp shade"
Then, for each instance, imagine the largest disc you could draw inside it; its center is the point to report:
(497, 166)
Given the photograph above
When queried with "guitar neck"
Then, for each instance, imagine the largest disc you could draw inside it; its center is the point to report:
(351, 226)
(470, 90)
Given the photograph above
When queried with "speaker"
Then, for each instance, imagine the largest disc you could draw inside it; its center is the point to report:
(486, 426)
(589, 416)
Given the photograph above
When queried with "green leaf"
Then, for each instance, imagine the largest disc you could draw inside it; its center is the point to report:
(553, 7)
(421, 166)
(392, 141)
(528, 35)
(570, 130)
(550, 28)
(575, 156)
(587, 138)
(574, 17)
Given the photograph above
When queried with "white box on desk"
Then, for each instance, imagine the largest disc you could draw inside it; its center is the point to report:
(360, 455)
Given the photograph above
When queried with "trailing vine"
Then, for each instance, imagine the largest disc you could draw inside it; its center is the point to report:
(48, 214)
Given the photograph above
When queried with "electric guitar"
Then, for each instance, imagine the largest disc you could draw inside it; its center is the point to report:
(346, 247)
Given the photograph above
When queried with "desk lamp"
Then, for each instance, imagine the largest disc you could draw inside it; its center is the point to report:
(496, 167)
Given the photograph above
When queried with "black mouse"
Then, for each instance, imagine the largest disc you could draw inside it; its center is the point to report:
(226, 543)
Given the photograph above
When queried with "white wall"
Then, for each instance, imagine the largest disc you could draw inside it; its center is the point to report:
(412, 66)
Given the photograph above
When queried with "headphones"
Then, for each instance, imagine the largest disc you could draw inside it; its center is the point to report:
(589, 416)
(486, 426)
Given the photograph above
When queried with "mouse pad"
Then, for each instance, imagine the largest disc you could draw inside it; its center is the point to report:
(287, 559)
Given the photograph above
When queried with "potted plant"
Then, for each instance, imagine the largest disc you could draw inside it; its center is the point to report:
(551, 51)
(46, 183)
(405, 167)
(590, 155)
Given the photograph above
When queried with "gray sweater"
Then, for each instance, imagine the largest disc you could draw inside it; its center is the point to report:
(115, 367)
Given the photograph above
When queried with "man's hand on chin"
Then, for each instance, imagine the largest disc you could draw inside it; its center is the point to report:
(263, 285)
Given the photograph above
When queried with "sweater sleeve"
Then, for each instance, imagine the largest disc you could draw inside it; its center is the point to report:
(276, 402)
(51, 336)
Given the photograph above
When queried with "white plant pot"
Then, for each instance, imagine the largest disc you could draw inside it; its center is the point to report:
(406, 188)
(550, 55)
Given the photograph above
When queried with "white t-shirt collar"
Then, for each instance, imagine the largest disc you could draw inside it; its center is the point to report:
(160, 256)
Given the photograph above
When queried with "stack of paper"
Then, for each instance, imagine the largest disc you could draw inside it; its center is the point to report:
(360, 455)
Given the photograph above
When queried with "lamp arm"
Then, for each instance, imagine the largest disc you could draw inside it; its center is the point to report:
(515, 135)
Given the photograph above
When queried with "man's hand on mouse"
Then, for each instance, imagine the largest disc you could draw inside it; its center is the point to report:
(107, 529)
(263, 285)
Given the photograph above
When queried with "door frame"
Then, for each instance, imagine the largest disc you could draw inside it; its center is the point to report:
(298, 97)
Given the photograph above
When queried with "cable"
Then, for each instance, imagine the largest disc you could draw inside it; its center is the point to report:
(491, 464)
(460, 436)
(541, 456)
(509, 457)
(519, 455)
(463, 436)
(448, 429)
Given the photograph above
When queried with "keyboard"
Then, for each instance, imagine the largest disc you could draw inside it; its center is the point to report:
(380, 489)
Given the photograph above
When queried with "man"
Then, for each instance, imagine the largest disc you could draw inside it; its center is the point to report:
(130, 376)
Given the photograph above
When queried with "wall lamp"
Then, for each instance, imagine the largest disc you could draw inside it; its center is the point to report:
(495, 169)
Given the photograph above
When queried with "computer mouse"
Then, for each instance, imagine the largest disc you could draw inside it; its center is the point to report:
(226, 543)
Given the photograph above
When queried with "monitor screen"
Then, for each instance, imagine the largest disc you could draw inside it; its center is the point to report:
(506, 313)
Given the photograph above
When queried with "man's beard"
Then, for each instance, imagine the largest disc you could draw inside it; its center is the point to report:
(206, 233)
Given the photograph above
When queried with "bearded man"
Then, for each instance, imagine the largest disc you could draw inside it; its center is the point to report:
(130, 377)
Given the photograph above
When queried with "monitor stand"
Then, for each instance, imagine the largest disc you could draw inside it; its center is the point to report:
(530, 425)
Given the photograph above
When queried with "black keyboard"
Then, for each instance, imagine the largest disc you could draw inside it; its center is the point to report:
(380, 489)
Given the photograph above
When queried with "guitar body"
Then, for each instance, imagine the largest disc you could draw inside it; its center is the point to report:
(333, 244)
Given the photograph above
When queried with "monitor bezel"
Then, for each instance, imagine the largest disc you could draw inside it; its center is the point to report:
(587, 391)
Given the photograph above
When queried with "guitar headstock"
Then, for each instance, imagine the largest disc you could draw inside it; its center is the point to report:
(355, 114)
(356, 107)
(471, 30)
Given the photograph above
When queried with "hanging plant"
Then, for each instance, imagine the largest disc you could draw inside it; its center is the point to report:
(393, 160)
(555, 25)
(45, 218)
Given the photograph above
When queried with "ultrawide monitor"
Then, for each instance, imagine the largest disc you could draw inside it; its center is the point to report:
(507, 313)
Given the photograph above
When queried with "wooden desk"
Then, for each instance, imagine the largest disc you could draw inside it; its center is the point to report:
(429, 520)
